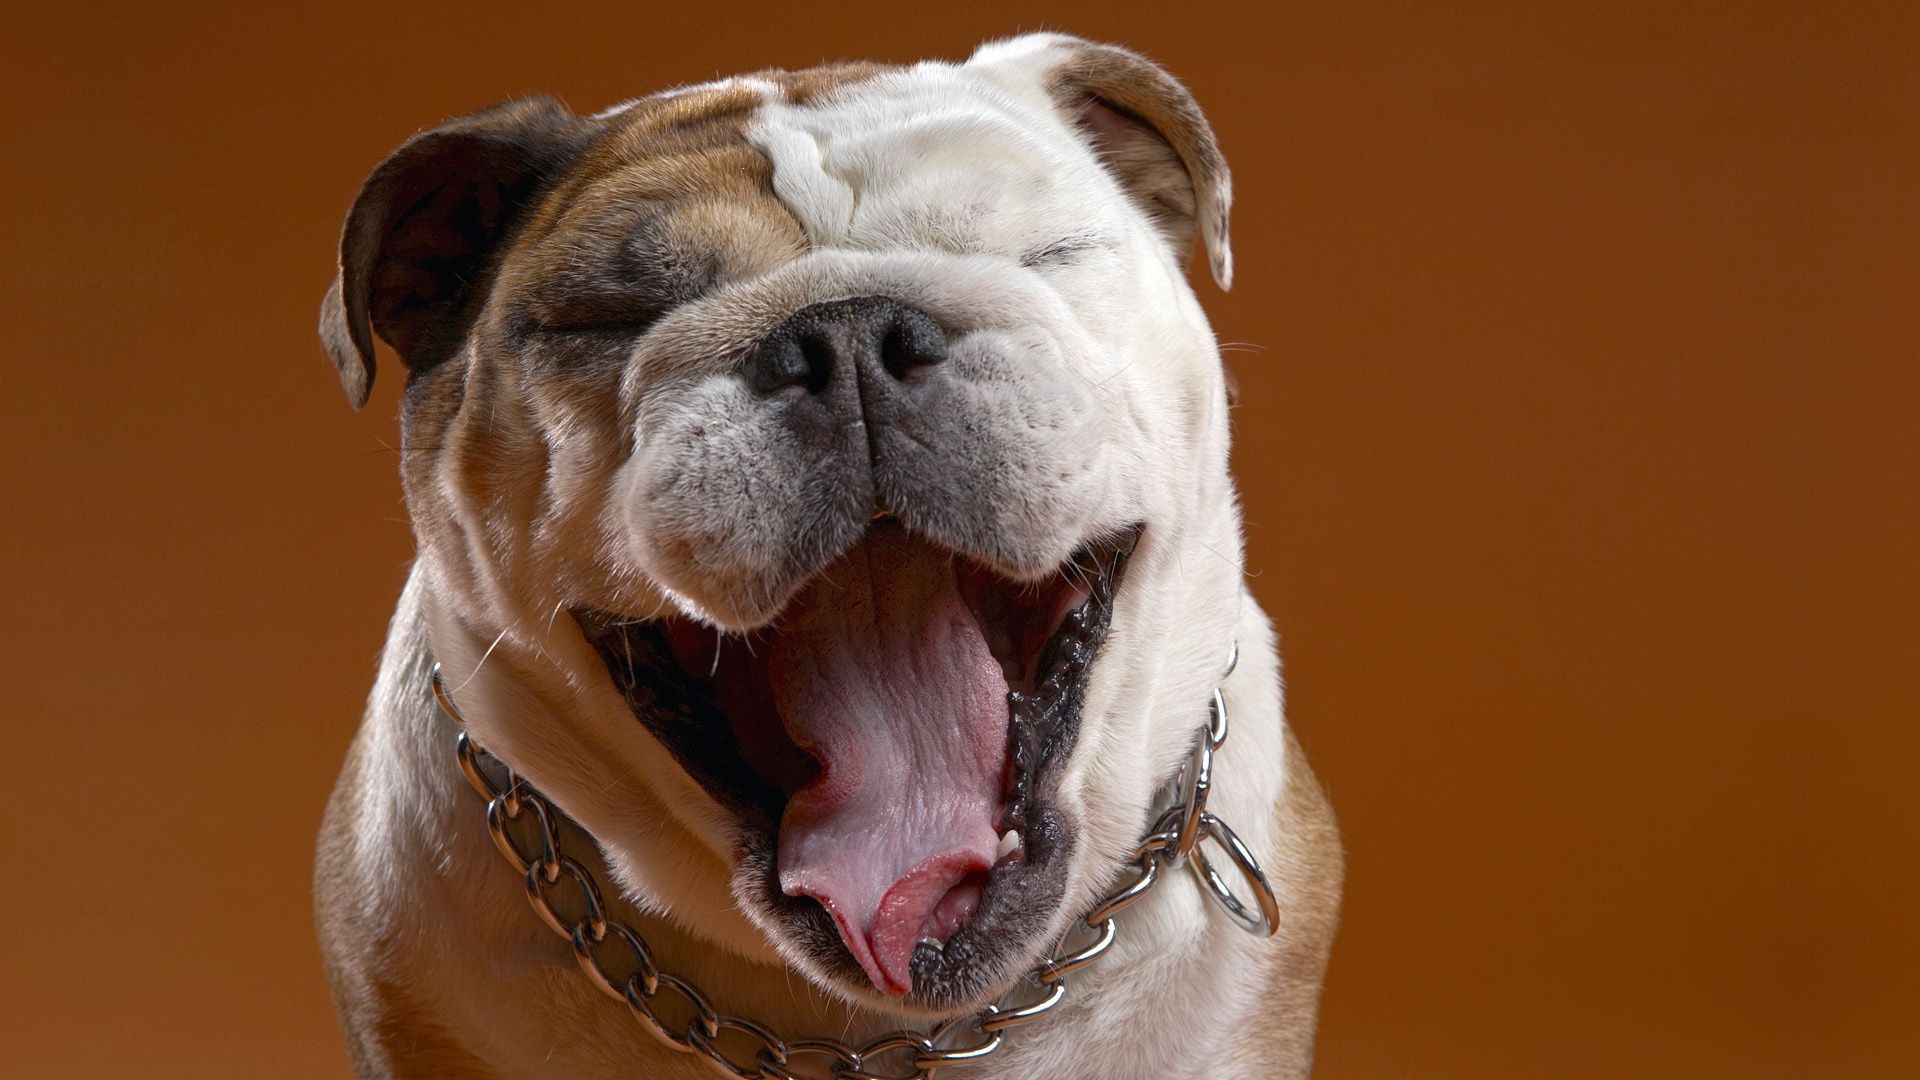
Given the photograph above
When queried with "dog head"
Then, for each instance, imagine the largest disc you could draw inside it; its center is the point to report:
(821, 484)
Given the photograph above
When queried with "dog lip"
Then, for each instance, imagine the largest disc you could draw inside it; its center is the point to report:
(679, 704)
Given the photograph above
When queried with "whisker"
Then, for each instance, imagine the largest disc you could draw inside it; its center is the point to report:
(483, 662)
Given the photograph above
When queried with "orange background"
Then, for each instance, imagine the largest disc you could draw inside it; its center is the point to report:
(1578, 442)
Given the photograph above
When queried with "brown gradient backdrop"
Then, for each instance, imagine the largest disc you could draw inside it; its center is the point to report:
(1577, 438)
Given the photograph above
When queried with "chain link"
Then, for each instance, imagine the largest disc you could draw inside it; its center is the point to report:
(616, 959)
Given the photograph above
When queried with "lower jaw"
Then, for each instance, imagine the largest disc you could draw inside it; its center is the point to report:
(1017, 905)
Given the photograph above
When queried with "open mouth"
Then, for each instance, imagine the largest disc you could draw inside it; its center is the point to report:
(890, 744)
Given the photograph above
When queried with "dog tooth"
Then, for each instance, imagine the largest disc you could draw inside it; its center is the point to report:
(1008, 842)
(939, 945)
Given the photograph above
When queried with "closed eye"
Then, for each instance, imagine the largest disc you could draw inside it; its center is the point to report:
(1064, 250)
(596, 311)
(625, 294)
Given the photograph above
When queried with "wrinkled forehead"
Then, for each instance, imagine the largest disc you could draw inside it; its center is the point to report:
(675, 172)
(937, 153)
(750, 171)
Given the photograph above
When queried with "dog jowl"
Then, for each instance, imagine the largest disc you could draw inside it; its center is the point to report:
(820, 486)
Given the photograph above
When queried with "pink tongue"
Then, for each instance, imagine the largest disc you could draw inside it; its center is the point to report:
(880, 672)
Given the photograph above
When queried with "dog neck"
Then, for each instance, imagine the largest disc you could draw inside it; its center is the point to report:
(507, 974)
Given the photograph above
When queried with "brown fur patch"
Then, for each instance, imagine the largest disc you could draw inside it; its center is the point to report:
(814, 85)
(1306, 869)
(415, 1046)
(702, 124)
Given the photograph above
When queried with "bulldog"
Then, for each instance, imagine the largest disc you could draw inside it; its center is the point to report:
(822, 504)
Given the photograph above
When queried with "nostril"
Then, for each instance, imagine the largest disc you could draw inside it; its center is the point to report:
(790, 359)
(895, 353)
(912, 340)
(817, 355)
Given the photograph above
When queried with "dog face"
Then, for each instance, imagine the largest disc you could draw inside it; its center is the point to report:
(821, 482)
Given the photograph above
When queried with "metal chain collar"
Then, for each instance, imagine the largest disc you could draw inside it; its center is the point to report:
(615, 957)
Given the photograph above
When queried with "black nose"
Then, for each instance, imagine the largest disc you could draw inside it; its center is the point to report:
(819, 343)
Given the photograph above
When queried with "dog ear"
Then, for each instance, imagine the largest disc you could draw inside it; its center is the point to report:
(1147, 129)
(419, 246)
